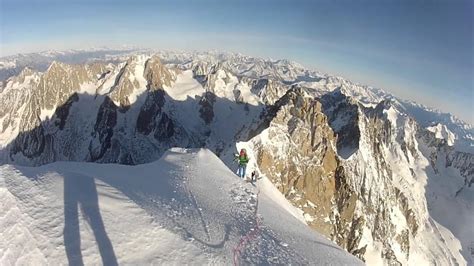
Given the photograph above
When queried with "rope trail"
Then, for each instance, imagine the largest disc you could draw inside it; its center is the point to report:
(252, 234)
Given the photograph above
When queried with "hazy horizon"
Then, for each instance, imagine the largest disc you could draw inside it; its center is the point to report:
(417, 50)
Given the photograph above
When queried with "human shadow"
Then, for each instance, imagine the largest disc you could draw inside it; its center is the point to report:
(80, 203)
(80, 193)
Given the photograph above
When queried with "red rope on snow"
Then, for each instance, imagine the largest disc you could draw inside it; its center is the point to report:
(249, 236)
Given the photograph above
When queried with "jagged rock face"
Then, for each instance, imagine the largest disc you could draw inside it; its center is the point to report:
(268, 90)
(97, 127)
(207, 74)
(344, 119)
(347, 227)
(217, 81)
(103, 130)
(370, 173)
(38, 145)
(61, 80)
(148, 112)
(356, 198)
(152, 119)
(129, 79)
(207, 103)
(36, 99)
(308, 178)
(464, 162)
(14, 97)
(139, 74)
(298, 153)
(156, 74)
(221, 82)
(129, 117)
(443, 155)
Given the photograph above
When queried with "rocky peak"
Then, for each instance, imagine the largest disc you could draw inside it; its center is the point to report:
(298, 131)
(441, 153)
(130, 82)
(268, 90)
(343, 116)
(204, 68)
(442, 132)
(61, 80)
(208, 74)
(26, 78)
(342, 195)
(56, 69)
(156, 74)
(26, 72)
(54, 64)
(140, 74)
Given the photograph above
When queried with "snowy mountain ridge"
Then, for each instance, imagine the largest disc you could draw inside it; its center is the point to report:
(176, 218)
(361, 165)
(240, 65)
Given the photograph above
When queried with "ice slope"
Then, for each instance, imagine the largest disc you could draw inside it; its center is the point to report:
(186, 208)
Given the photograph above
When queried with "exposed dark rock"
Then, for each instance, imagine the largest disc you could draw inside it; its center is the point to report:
(104, 129)
(207, 107)
(149, 111)
(62, 111)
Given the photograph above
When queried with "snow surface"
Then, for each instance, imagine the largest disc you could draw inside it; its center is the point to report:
(185, 86)
(186, 208)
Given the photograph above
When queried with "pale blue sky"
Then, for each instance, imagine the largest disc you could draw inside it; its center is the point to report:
(420, 50)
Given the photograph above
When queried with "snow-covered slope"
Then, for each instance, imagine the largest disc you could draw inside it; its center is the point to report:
(186, 208)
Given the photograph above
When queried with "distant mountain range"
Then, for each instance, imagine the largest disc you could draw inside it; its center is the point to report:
(380, 176)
